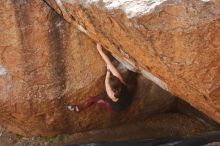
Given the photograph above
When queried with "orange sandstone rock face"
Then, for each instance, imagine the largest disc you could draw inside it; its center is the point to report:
(174, 43)
(41, 64)
(46, 62)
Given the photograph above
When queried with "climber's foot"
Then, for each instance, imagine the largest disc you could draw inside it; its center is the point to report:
(73, 108)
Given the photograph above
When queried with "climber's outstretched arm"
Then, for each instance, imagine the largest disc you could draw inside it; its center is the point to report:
(110, 66)
(108, 88)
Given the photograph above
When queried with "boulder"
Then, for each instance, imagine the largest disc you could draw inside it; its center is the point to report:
(46, 63)
(174, 43)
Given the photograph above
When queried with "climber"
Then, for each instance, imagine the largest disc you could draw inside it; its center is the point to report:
(118, 90)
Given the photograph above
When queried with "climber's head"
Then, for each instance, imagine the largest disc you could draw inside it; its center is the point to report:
(116, 85)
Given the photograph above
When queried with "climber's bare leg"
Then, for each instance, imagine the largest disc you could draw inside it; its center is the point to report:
(63, 10)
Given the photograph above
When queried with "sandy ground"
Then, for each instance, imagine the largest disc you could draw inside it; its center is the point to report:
(156, 126)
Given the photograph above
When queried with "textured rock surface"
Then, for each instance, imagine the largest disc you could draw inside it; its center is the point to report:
(176, 43)
(46, 62)
(179, 125)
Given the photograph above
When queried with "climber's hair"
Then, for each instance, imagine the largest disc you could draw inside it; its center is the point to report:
(116, 85)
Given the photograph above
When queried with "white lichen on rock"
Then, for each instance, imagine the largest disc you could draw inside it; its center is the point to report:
(3, 71)
(81, 28)
(132, 8)
(154, 79)
(59, 2)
